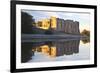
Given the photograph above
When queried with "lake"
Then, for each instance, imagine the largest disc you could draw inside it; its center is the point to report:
(36, 50)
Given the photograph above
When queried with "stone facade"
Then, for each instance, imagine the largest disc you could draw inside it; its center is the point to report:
(61, 25)
(71, 27)
(53, 22)
(67, 26)
(43, 24)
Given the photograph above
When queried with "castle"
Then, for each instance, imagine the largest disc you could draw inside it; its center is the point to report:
(60, 25)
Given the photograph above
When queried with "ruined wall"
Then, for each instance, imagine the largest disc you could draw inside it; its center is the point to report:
(61, 25)
(53, 22)
(68, 26)
(43, 24)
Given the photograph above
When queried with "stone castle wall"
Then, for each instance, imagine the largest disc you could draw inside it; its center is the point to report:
(67, 26)
(61, 25)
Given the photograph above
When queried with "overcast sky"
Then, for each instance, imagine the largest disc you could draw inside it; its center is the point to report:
(82, 18)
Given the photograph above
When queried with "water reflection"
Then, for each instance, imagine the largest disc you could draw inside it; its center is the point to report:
(26, 52)
(49, 48)
(85, 41)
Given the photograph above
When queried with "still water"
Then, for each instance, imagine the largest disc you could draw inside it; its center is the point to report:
(59, 50)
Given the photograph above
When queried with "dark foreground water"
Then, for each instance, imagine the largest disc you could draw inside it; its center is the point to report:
(54, 50)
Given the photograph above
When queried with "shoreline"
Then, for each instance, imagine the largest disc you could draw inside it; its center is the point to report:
(54, 36)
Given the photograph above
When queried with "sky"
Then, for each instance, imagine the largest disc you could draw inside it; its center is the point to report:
(82, 18)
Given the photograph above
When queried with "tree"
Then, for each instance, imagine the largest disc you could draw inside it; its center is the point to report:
(85, 33)
(26, 23)
(86, 41)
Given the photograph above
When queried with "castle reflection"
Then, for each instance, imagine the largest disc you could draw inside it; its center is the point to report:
(54, 49)
(50, 48)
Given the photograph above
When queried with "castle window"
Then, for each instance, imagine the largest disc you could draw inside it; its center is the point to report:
(40, 24)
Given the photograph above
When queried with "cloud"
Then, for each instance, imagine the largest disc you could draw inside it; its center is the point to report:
(52, 14)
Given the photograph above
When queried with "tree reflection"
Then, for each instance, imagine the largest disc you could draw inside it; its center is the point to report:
(85, 41)
(26, 52)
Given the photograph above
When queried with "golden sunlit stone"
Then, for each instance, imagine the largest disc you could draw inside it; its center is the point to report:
(43, 24)
(47, 23)
(53, 22)
(53, 52)
(45, 49)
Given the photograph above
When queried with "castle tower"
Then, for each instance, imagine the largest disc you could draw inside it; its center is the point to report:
(53, 21)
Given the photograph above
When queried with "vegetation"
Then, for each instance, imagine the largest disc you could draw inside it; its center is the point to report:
(26, 23)
(86, 41)
(85, 33)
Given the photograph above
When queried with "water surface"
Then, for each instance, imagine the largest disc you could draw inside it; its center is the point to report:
(54, 50)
